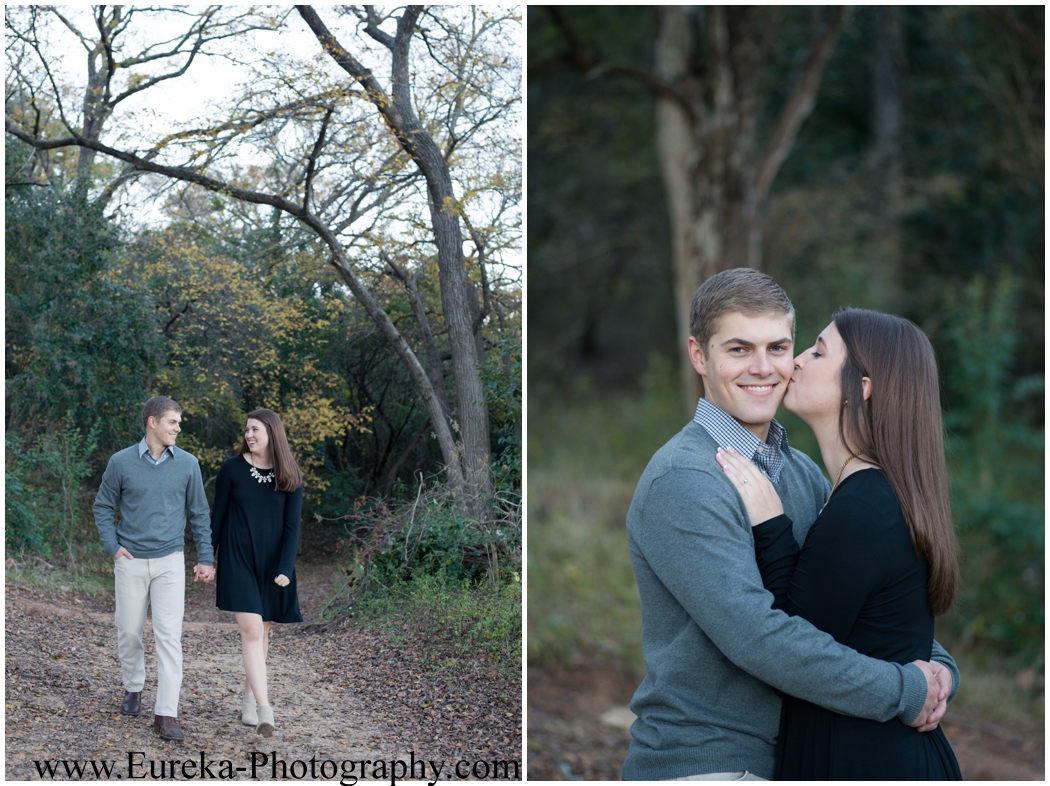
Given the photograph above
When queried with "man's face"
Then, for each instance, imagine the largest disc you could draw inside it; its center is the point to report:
(166, 428)
(747, 367)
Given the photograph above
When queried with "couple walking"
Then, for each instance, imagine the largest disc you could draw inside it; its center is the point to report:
(787, 622)
(253, 528)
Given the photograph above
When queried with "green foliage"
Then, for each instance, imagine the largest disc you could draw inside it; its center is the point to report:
(996, 470)
(435, 545)
(25, 526)
(478, 619)
(76, 341)
(501, 378)
(44, 489)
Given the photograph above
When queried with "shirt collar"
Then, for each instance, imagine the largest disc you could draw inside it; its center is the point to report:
(144, 449)
(728, 433)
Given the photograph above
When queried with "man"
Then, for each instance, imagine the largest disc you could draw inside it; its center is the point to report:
(154, 484)
(714, 648)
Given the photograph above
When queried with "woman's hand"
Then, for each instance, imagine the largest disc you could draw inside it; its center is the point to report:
(760, 498)
(282, 581)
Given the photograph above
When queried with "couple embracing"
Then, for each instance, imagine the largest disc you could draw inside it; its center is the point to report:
(787, 622)
(253, 529)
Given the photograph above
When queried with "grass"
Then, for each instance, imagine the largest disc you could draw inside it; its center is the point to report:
(584, 461)
(89, 577)
(472, 619)
(992, 687)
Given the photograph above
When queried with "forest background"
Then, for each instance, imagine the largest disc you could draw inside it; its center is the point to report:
(888, 158)
(325, 221)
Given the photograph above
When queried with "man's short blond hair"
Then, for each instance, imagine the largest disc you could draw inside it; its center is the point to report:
(156, 407)
(741, 289)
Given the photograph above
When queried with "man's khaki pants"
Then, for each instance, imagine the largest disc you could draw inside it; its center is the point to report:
(160, 583)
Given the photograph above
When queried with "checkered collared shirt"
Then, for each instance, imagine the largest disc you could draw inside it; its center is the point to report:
(145, 451)
(728, 433)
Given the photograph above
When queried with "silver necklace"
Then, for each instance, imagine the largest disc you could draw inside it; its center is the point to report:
(261, 478)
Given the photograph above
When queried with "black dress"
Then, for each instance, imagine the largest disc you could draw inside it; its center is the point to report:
(255, 534)
(858, 579)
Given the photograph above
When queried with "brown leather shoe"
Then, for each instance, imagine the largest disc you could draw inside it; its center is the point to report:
(167, 727)
(132, 703)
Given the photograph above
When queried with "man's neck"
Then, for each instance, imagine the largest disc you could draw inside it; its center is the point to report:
(156, 447)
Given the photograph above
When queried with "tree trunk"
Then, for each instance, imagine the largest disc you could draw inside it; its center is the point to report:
(677, 149)
(887, 157)
(397, 110)
(717, 179)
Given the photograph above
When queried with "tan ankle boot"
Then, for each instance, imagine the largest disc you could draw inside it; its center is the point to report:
(249, 714)
(265, 727)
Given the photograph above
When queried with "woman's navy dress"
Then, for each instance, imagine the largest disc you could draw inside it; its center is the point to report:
(255, 533)
(858, 579)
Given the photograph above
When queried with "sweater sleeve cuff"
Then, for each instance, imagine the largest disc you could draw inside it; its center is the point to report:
(951, 666)
(913, 695)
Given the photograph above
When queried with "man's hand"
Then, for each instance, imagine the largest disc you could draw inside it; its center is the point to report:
(122, 552)
(938, 688)
(203, 573)
(944, 679)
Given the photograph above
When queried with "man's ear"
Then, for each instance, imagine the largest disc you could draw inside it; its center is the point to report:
(696, 356)
(865, 384)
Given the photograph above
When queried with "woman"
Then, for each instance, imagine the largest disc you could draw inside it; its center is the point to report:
(255, 533)
(880, 561)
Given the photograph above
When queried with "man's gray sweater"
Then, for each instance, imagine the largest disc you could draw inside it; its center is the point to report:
(153, 501)
(714, 647)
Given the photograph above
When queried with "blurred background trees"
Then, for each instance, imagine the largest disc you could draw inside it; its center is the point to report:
(272, 246)
(915, 185)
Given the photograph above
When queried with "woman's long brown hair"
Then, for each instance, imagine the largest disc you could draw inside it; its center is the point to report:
(900, 428)
(286, 471)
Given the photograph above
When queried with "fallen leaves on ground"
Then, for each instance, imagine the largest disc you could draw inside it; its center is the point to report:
(339, 694)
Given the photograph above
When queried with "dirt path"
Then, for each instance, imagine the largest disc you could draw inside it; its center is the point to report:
(578, 730)
(338, 695)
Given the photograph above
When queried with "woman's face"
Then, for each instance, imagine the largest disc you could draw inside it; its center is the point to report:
(256, 437)
(815, 389)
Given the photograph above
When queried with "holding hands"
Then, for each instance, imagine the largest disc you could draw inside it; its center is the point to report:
(203, 573)
(760, 498)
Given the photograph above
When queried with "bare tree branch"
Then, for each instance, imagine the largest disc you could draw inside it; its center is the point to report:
(1035, 43)
(590, 61)
(312, 163)
(798, 106)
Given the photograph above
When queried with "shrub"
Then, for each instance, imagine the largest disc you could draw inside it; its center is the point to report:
(996, 470)
(24, 526)
(479, 620)
(43, 487)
